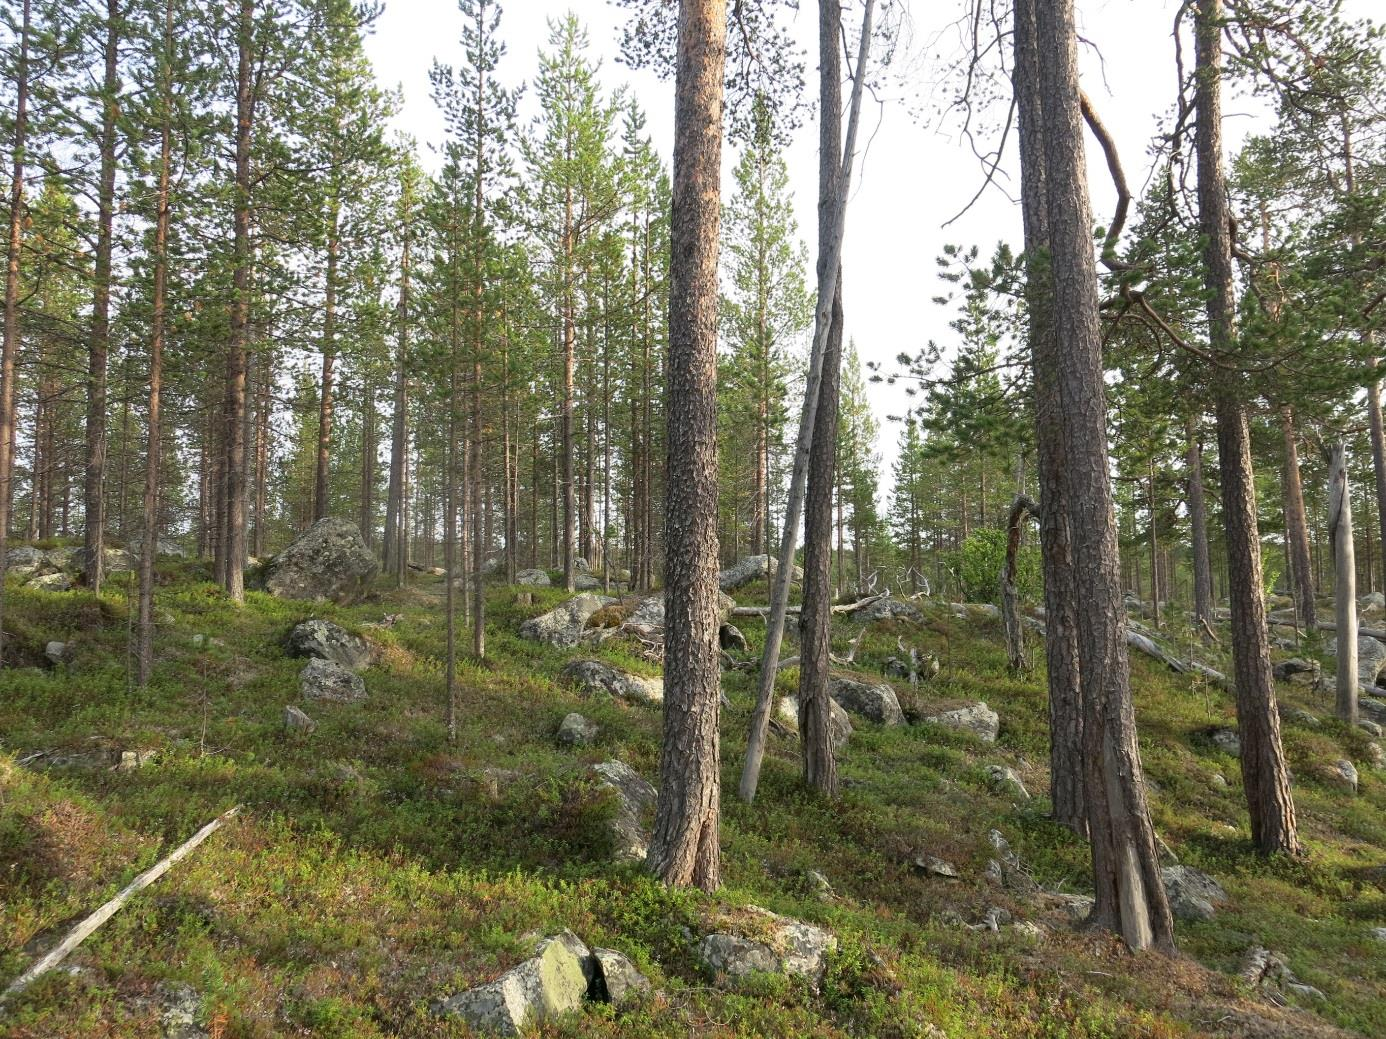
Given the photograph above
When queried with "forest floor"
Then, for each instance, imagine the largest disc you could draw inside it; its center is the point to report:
(376, 867)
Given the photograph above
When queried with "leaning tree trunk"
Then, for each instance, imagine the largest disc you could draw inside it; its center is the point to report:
(832, 170)
(1345, 591)
(1264, 772)
(1297, 525)
(684, 847)
(1056, 552)
(1130, 895)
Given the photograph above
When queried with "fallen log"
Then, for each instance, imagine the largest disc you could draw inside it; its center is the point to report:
(87, 927)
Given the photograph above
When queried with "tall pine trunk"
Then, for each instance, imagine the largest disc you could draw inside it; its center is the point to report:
(1264, 772)
(1198, 527)
(329, 360)
(684, 847)
(1296, 524)
(1345, 589)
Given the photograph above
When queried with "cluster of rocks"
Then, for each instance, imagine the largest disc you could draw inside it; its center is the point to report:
(335, 656)
(558, 979)
(1268, 972)
(53, 570)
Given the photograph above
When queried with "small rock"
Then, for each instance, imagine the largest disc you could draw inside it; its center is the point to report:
(56, 652)
(533, 578)
(595, 676)
(1379, 933)
(796, 948)
(328, 641)
(1218, 781)
(576, 731)
(1165, 852)
(635, 800)
(994, 919)
(181, 1006)
(787, 712)
(1268, 972)
(297, 721)
(1227, 741)
(976, 718)
(621, 983)
(130, 760)
(729, 637)
(1076, 907)
(1376, 755)
(1371, 728)
(1006, 780)
(1346, 773)
(820, 885)
(877, 703)
(1028, 929)
(551, 983)
(52, 583)
(1298, 670)
(325, 680)
(1193, 895)
(933, 866)
(1300, 717)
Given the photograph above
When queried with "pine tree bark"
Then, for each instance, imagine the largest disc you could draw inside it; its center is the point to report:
(396, 520)
(1198, 527)
(329, 362)
(98, 347)
(1130, 895)
(684, 847)
(1056, 552)
(1345, 589)
(1264, 772)
(1296, 524)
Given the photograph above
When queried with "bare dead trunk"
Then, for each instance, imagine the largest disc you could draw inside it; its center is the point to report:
(1198, 528)
(1010, 605)
(684, 848)
(1345, 590)
(1296, 524)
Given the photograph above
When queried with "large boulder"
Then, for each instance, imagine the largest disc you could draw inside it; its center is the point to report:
(327, 641)
(162, 547)
(635, 800)
(874, 702)
(840, 724)
(551, 983)
(1193, 895)
(116, 560)
(764, 942)
(52, 583)
(1371, 658)
(327, 562)
(752, 568)
(620, 981)
(649, 611)
(596, 676)
(326, 680)
(24, 560)
(976, 718)
(533, 578)
(562, 626)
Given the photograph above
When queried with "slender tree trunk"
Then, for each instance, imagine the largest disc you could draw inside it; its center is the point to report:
(1010, 598)
(9, 353)
(834, 170)
(367, 502)
(1345, 590)
(1264, 772)
(1056, 552)
(684, 847)
(396, 523)
(232, 549)
(329, 362)
(1198, 527)
(1130, 895)
(98, 349)
(1157, 586)
(1296, 524)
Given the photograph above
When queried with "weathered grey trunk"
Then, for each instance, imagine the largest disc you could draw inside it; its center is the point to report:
(1010, 599)
(1345, 590)
(1130, 895)
(1056, 553)
(1198, 527)
(1296, 524)
(684, 848)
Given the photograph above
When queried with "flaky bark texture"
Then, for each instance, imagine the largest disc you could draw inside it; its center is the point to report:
(1130, 895)
(1198, 527)
(1264, 772)
(1061, 632)
(1345, 591)
(684, 843)
(1296, 525)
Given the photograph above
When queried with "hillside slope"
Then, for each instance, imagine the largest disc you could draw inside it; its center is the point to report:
(377, 868)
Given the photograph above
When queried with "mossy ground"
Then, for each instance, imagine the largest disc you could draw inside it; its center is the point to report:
(376, 866)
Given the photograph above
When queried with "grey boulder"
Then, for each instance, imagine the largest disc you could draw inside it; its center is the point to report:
(533, 578)
(840, 723)
(576, 731)
(562, 626)
(549, 984)
(752, 568)
(1005, 780)
(327, 681)
(327, 641)
(326, 563)
(976, 718)
(619, 980)
(1193, 895)
(295, 720)
(52, 583)
(884, 609)
(635, 800)
(596, 676)
(793, 948)
(875, 702)
(1371, 658)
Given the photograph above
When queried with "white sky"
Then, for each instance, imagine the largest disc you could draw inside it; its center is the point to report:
(914, 176)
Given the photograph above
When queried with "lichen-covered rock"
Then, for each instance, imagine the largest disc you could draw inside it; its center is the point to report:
(976, 718)
(787, 712)
(729, 637)
(533, 578)
(1268, 972)
(1006, 780)
(52, 583)
(24, 560)
(767, 943)
(326, 563)
(1298, 670)
(162, 547)
(1193, 895)
(180, 1008)
(116, 560)
(56, 652)
(327, 641)
(875, 702)
(1371, 658)
(649, 611)
(635, 801)
(539, 989)
(327, 681)
(595, 676)
(752, 568)
(1227, 741)
(886, 609)
(576, 731)
(1344, 773)
(295, 720)
(620, 983)
(562, 626)
(586, 582)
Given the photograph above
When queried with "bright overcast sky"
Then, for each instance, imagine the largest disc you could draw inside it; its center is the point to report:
(915, 176)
